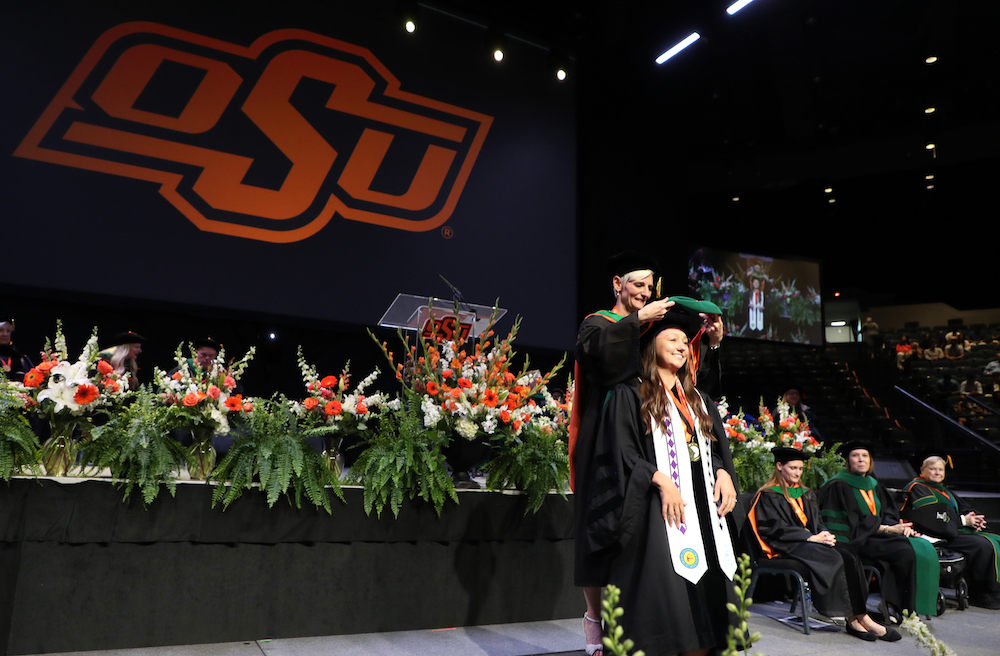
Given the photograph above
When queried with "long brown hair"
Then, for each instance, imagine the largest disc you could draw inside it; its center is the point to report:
(777, 478)
(654, 397)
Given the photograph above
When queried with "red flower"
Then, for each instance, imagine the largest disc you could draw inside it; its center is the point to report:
(104, 367)
(34, 378)
(44, 367)
(505, 416)
(333, 408)
(248, 407)
(361, 409)
(235, 403)
(111, 385)
(86, 393)
(447, 373)
(328, 381)
(310, 403)
(465, 382)
(432, 388)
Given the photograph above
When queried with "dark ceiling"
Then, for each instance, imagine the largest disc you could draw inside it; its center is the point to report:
(777, 103)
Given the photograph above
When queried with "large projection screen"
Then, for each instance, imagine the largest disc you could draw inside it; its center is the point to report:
(301, 159)
(762, 297)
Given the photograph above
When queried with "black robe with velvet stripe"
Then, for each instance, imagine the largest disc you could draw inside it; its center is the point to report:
(909, 566)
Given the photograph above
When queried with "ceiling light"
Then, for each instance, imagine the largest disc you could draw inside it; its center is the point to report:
(838, 323)
(832, 200)
(930, 110)
(931, 59)
(930, 146)
(929, 176)
(691, 38)
(828, 190)
(561, 74)
(498, 54)
(736, 6)
(410, 26)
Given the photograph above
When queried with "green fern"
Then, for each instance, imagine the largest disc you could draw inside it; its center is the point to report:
(403, 460)
(272, 450)
(534, 462)
(135, 444)
(19, 447)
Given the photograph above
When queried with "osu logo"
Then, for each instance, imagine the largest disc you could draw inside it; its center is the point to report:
(265, 142)
(689, 558)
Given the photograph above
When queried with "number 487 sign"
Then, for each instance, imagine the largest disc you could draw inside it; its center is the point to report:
(264, 142)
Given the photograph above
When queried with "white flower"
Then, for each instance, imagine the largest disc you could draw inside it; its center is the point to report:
(61, 393)
(466, 428)
(432, 414)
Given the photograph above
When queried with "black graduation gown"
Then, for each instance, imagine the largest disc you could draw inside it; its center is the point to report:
(892, 554)
(931, 515)
(664, 613)
(837, 579)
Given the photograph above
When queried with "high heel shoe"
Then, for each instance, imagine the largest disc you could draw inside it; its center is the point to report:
(597, 649)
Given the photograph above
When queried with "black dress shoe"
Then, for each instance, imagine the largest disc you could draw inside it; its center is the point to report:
(864, 635)
(891, 635)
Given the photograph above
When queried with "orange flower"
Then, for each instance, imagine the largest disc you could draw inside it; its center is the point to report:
(190, 399)
(328, 381)
(44, 367)
(247, 407)
(86, 393)
(310, 403)
(333, 408)
(490, 398)
(456, 393)
(432, 388)
(464, 382)
(214, 392)
(505, 416)
(447, 373)
(34, 378)
(235, 403)
(361, 409)
(111, 385)
(176, 375)
(104, 367)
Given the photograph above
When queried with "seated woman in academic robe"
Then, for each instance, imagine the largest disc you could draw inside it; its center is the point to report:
(786, 521)
(937, 511)
(860, 512)
(654, 503)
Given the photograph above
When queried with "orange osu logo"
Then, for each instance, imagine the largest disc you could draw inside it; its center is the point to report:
(265, 142)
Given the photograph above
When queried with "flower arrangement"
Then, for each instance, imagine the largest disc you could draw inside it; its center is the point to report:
(330, 402)
(201, 401)
(67, 394)
(751, 445)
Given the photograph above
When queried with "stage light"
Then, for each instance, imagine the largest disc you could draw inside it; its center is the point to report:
(930, 146)
(736, 6)
(498, 54)
(929, 176)
(736, 199)
(838, 323)
(272, 336)
(930, 186)
(930, 110)
(691, 38)
(410, 26)
(831, 200)
(930, 60)
(828, 190)
(561, 74)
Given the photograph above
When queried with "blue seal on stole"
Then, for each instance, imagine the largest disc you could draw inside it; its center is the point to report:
(689, 558)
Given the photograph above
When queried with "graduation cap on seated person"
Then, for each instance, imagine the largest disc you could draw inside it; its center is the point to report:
(853, 445)
(785, 454)
(127, 337)
(207, 342)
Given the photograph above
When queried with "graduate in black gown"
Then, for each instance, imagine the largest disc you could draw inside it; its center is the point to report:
(787, 522)
(13, 363)
(860, 512)
(937, 511)
(653, 502)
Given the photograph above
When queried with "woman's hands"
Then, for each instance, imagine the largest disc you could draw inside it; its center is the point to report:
(725, 492)
(654, 310)
(670, 498)
(972, 520)
(902, 528)
(825, 537)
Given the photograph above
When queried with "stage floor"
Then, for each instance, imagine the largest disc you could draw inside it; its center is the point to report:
(974, 632)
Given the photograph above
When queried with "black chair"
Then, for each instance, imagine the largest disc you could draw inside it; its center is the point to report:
(787, 568)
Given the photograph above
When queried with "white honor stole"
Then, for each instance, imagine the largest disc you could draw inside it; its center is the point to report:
(687, 549)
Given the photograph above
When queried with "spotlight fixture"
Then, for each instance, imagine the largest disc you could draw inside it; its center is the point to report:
(736, 6)
(736, 199)
(930, 60)
(828, 190)
(831, 200)
(410, 26)
(560, 74)
(930, 110)
(497, 43)
(691, 38)
(929, 176)
(409, 15)
(930, 146)
(498, 54)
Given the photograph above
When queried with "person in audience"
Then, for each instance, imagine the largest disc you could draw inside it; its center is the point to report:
(786, 522)
(970, 385)
(122, 352)
(793, 397)
(871, 336)
(904, 350)
(955, 350)
(934, 350)
(992, 367)
(861, 512)
(656, 502)
(14, 363)
(937, 511)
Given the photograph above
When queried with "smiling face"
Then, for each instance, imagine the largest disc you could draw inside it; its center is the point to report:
(671, 349)
(791, 471)
(632, 294)
(134, 350)
(859, 461)
(933, 470)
